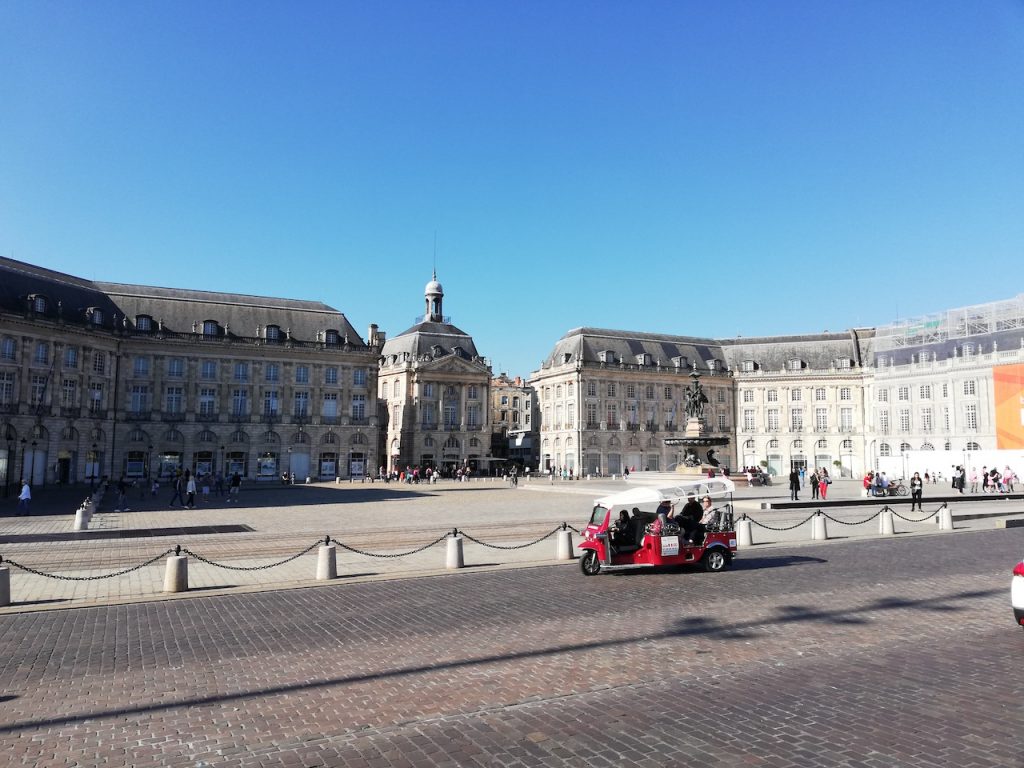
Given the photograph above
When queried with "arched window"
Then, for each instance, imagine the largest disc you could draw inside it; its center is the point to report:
(300, 438)
(823, 443)
(271, 437)
(358, 439)
(206, 436)
(884, 450)
(973, 447)
(904, 447)
(749, 444)
(173, 436)
(927, 447)
(329, 439)
(137, 436)
(846, 445)
(239, 437)
(774, 443)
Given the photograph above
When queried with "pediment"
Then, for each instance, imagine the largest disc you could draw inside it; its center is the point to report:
(453, 364)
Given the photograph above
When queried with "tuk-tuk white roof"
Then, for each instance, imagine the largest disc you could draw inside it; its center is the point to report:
(649, 495)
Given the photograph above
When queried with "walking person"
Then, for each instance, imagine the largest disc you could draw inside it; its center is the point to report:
(24, 498)
(916, 490)
(236, 484)
(122, 495)
(815, 484)
(824, 481)
(190, 490)
(974, 480)
(179, 486)
(794, 485)
(218, 483)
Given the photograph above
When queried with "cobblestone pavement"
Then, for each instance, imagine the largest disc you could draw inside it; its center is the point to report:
(860, 654)
(379, 518)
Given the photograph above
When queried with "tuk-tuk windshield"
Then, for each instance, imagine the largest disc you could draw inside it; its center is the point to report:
(597, 517)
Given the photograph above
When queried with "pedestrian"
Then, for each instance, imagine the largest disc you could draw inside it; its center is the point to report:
(236, 484)
(803, 477)
(24, 498)
(824, 482)
(206, 487)
(190, 490)
(218, 483)
(815, 484)
(122, 495)
(974, 480)
(916, 490)
(794, 485)
(179, 486)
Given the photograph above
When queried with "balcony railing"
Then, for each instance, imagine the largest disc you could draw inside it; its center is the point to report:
(9, 407)
(138, 415)
(270, 417)
(97, 413)
(172, 416)
(330, 420)
(70, 412)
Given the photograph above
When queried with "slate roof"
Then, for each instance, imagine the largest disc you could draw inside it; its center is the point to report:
(423, 339)
(627, 346)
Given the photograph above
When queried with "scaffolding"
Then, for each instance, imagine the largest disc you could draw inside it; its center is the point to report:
(961, 323)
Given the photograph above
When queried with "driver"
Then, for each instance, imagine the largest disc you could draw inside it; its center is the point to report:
(689, 517)
(620, 530)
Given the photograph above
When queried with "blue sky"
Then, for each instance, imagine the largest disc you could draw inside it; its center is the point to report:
(722, 168)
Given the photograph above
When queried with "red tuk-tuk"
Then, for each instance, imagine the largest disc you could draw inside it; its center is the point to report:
(638, 539)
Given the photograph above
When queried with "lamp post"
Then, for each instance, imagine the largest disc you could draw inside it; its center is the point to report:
(289, 465)
(149, 462)
(24, 442)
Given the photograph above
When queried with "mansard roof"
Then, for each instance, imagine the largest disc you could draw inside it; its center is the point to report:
(593, 345)
(433, 340)
(818, 351)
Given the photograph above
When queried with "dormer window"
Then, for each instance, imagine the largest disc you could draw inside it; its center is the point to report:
(143, 323)
(95, 315)
(38, 303)
(436, 350)
(713, 366)
(606, 356)
(272, 333)
(748, 366)
(211, 328)
(795, 364)
(844, 363)
(331, 338)
(643, 359)
(679, 362)
(459, 352)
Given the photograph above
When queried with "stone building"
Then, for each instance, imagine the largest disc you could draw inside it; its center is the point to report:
(609, 399)
(434, 395)
(512, 421)
(108, 379)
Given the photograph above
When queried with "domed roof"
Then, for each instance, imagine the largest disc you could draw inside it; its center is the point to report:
(434, 287)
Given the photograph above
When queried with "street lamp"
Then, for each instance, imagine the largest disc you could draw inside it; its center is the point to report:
(289, 465)
(24, 441)
(92, 467)
(149, 462)
(7, 469)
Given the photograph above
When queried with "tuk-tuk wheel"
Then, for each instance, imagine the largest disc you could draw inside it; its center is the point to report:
(589, 563)
(715, 560)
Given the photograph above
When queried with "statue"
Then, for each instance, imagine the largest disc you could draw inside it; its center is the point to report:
(695, 399)
(711, 458)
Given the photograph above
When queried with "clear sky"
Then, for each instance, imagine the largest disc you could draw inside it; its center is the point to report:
(694, 168)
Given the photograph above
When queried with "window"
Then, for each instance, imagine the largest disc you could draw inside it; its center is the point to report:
(591, 415)
(473, 415)
(720, 395)
(271, 402)
(845, 393)
(273, 333)
(748, 366)
(331, 338)
(8, 349)
(39, 304)
(611, 389)
(140, 366)
(846, 445)
(773, 396)
(973, 447)
(330, 405)
(884, 450)
(945, 419)
(428, 390)
(174, 400)
(820, 419)
(925, 392)
(210, 328)
(241, 371)
(883, 395)
(176, 367)
(904, 416)
(301, 404)
(71, 357)
(844, 363)
(945, 390)
(331, 376)
(796, 419)
(139, 398)
(358, 377)
(748, 396)
(748, 420)
(302, 374)
(6, 388)
(208, 369)
(207, 402)
(795, 364)
(883, 421)
(819, 394)
(239, 402)
(649, 392)
(43, 353)
(96, 316)
(272, 372)
(504, 400)
(68, 393)
(904, 447)
(95, 397)
(846, 419)
(473, 392)
(903, 393)
(38, 389)
(570, 409)
(630, 391)
(926, 419)
(773, 419)
(970, 387)
(591, 389)
(722, 422)
(612, 416)
(143, 323)
(971, 416)
(796, 395)
(668, 392)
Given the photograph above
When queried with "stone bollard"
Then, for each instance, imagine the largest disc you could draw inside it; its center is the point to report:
(885, 523)
(5, 586)
(176, 575)
(818, 530)
(563, 545)
(327, 562)
(82, 519)
(743, 533)
(453, 558)
(945, 519)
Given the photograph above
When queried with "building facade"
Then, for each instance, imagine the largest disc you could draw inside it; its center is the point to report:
(512, 420)
(434, 395)
(103, 379)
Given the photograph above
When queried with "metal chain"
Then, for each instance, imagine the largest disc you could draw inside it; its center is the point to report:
(514, 546)
(574, 529)
(787, 528)
(923, 519)
(27, 569)
(395, 554)
(251, 567)
(847, 522)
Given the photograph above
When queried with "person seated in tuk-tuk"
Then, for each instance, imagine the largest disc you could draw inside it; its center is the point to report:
(709, 516)
(664, 511)
(622, 533)
(689, 517)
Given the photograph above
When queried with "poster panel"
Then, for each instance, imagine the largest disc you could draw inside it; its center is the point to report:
(1008, 389)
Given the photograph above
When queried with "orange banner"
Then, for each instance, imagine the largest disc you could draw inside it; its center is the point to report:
(1009, 397)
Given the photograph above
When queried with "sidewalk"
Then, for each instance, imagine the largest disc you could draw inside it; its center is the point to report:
(273, 523)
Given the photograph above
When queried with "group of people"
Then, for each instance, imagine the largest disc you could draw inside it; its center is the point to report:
(819, 481)
(758, 474)
(992, 480)
(185, 486)
(692, 519)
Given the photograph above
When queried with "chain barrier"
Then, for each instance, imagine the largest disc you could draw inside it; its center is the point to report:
(61, 577)
(857, 522)
(513, 546)
(439, 539)
(927, 517)
(786, 528)
(199, 557)
(573, 528)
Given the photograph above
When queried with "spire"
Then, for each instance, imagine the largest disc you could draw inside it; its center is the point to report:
(434, 295)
